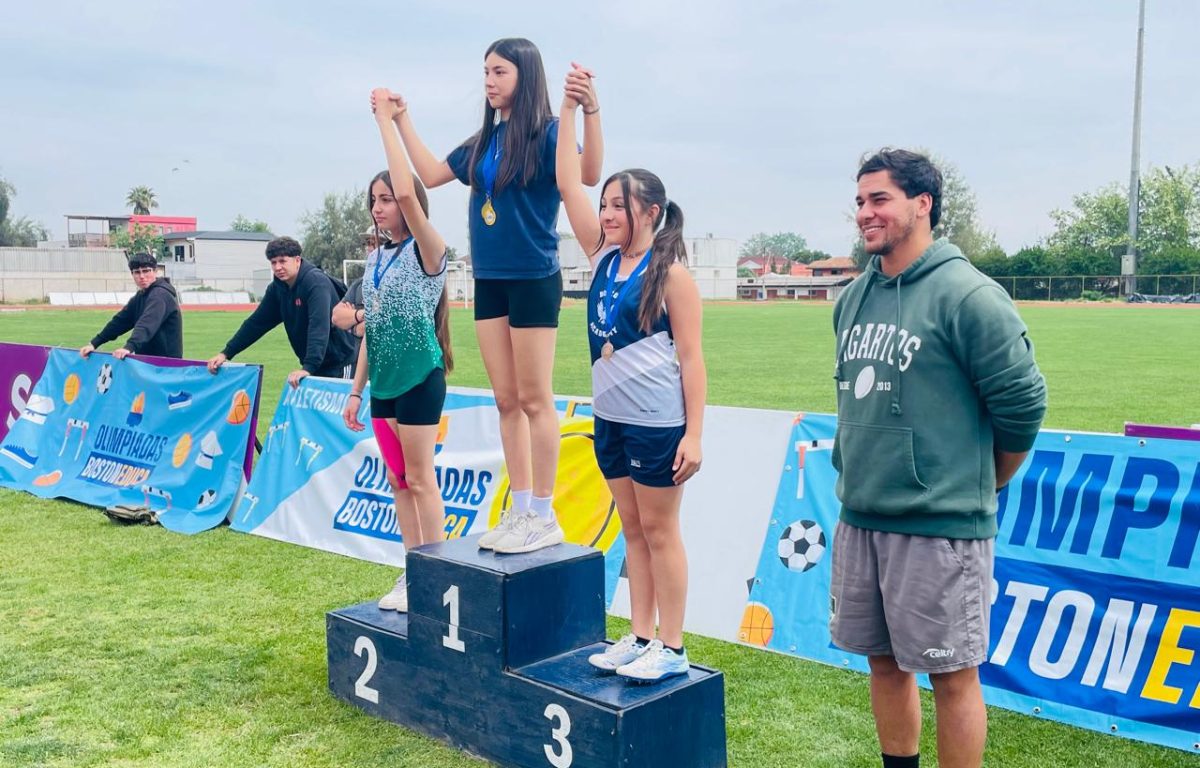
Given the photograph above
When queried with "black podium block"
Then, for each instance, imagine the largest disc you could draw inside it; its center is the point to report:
(492, 658)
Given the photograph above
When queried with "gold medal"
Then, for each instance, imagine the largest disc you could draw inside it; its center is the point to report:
(488, 212)
(607, 350)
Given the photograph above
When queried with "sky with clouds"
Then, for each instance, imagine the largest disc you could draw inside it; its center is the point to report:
(754, 114)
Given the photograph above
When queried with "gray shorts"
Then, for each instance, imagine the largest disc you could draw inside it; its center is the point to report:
(921, 599)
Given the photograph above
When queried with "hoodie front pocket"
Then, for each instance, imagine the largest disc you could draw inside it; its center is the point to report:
(877, 468)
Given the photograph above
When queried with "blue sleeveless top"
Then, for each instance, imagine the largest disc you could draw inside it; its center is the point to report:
(641, 383)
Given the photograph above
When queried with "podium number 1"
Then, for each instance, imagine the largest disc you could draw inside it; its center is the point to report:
(361, 689)
(451, 639)
(563, 756)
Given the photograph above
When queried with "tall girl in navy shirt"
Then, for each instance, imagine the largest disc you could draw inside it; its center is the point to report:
(648, 387)
(509, 165)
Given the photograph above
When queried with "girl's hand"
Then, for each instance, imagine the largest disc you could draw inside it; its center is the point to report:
(581, 86)
(387, 105)
(350, 414)
(687, 458)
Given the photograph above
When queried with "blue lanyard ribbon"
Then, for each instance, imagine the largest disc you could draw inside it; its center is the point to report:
(612, 302)
(489, 166)
(378, 277)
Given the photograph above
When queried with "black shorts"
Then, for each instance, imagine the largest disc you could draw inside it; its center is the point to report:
(644, 454)
(526, 303)
(419, 406)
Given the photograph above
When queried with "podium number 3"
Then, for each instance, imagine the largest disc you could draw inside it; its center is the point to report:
(451, 639)
(361, 689)
(563, 756)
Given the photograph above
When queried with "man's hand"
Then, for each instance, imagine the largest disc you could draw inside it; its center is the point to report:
(121, 353)
(216, 361)
(295, 376)
(86, 350)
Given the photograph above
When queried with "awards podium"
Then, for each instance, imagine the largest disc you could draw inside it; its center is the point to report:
(492, 659)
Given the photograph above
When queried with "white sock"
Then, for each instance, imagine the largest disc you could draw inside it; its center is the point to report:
(521, 501)
(540, 506)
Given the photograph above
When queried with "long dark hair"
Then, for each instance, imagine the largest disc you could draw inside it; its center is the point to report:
(441, 316)
(528, 116)
(645, 187)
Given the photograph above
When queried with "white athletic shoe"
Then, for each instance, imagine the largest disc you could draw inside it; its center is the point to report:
(527, 533)
(489, 539)
(618, 654)
(397, 599)
(656, 663)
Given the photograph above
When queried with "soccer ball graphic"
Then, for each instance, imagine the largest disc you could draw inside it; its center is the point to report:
(104, 378)
(802, 545)
(206, 498)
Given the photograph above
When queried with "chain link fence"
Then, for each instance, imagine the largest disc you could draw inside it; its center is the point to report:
(1093, 287)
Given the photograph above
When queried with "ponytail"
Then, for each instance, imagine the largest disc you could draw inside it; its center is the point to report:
(441, 324)
(668, 249)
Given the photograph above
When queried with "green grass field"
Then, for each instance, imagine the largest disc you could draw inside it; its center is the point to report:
(138, 647)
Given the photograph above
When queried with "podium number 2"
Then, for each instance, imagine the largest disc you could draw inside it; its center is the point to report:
(563, 756)
(451, 639)
(361, 689)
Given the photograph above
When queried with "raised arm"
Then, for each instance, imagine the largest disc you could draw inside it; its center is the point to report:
(432, 171)
(430, 244)
(593, 139)
(584, 221)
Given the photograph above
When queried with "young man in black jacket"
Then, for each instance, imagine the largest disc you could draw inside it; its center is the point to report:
(153, 314)
(302, 298)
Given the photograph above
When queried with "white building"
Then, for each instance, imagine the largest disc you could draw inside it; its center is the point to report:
(223, 261)
(711, 260)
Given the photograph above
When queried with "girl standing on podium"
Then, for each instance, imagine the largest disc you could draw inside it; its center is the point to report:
(513, 213)
(648, 387)
(406, 350)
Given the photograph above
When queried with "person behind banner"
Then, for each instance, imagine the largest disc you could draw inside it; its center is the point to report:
(406, 352)
(347, 313)
(648, 388)
(513, 214)
(939, 400)
(153, 314)
(302, 297)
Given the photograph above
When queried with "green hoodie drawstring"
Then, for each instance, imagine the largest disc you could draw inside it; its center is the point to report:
(896, 409)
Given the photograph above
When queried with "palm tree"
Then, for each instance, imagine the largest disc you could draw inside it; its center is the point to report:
(141, 200)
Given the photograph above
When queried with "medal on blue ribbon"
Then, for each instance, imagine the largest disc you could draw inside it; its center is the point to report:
(612, 299)
(489, 167)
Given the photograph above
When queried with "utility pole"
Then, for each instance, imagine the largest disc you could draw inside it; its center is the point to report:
(1129, 260)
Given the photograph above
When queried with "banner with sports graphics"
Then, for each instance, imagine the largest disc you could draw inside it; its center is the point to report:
(1096, 595)
(110, 432)
(319, 484)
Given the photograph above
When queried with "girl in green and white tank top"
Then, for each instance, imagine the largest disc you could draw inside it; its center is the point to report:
(406, 352)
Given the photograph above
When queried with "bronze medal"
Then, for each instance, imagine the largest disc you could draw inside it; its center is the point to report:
(607, 350)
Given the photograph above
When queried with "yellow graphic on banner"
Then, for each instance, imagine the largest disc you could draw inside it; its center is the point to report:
(71, 388)
(585, 507)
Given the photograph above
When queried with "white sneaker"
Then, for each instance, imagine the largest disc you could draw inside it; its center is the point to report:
(618, 654)
(527, 533)
(489, 539)
(655, 663)
(397, 599)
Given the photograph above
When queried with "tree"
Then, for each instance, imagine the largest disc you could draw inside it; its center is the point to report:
(960, 216)
(333, 233)
(22, 232)
(141, 200)
(242, 224)
(139, 238)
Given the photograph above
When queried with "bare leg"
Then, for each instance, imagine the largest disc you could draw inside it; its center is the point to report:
(533, 356)
(658, 511)
(961, 718)
(418, 443)
(642, 603)
(897, 707)
(496, 347)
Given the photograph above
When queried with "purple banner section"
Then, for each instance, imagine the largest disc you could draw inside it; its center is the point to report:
(1163, 433)
(21, 365)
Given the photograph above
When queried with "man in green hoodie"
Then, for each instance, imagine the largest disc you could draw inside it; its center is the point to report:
(939, 400)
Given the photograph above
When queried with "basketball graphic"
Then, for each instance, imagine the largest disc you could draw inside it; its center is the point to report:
(182, 449)
(239, 410)
(585, 507)
(71, 388)
(50, 478)
(757, 625)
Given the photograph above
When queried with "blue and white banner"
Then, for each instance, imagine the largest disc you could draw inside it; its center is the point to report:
(104, 432)
(1096, 597)
(319, 484)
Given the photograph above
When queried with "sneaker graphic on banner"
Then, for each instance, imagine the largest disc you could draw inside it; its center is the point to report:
(618, 654)
(20, 455)
(397, 599)
(177, 400)
(489, 539)
(528, 533)
(656, 663)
